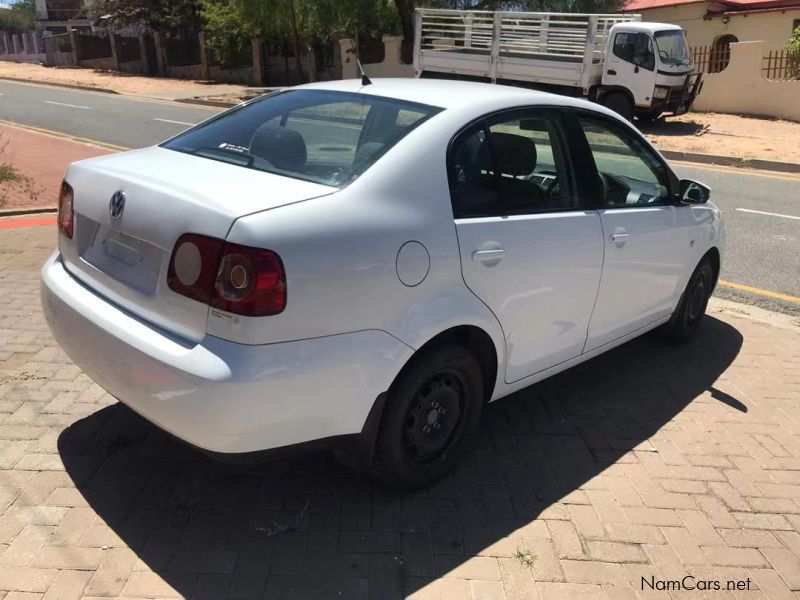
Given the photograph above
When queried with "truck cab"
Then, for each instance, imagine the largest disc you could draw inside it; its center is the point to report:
(650, 64)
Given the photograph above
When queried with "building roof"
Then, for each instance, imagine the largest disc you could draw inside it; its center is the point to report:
(715, 7)
(637, 5)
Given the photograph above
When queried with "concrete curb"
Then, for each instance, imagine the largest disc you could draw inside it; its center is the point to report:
(72, 86)
(201, 102)
(732, 161)
(755, 313)
(16, 212)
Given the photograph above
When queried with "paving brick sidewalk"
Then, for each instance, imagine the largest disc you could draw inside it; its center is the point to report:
(654, 461)
(43, 158)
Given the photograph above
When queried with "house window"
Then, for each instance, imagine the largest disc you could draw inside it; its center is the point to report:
(721, 53)
(795, 25)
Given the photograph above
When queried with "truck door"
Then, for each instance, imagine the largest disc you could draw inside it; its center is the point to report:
(631, 64)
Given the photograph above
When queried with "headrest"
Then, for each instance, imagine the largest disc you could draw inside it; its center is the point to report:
(283, 147)
(515, 154)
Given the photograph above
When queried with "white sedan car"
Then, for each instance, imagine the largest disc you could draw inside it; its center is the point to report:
(363, 267)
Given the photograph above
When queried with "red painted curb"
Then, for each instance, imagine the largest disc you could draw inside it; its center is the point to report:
(32, 222)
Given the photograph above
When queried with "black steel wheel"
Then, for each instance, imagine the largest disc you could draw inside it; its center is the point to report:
(432, 408)
(693, 303)
(433, 417)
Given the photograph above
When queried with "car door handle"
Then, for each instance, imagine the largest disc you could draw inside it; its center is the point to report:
(486, 255)
(611, 72)
(620, 237)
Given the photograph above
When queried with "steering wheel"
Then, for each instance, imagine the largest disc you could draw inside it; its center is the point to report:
(663, 54)
(553, 188)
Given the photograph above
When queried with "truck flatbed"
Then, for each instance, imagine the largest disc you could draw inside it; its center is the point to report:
(563, 49)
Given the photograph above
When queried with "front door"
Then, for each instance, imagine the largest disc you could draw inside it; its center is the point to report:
(529, 250)
(647, 245)
(632, 64)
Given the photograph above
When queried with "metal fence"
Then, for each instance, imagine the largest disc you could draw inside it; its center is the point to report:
(91, 46)
(711, 59)
(127, 48)
(781, 65)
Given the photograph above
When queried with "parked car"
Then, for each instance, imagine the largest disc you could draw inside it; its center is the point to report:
(363, 267)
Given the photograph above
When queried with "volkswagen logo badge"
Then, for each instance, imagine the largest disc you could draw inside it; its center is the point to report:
(117, 205)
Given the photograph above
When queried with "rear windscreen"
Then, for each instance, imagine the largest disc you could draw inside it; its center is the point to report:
(321, 136)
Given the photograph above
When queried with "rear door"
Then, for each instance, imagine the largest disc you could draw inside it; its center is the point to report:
(529, 250)
(647, 243)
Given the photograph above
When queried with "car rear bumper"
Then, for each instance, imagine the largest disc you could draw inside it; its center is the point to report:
(220, 396)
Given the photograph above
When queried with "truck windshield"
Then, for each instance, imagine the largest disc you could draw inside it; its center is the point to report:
(327, 137)
(672, 47)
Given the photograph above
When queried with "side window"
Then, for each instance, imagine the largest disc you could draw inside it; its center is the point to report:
(623, 46)
(473, 188)
(630, 174)
(636, 48)
(513, 166)
(643, 54)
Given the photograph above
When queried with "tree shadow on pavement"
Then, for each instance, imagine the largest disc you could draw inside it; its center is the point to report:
(306, 528)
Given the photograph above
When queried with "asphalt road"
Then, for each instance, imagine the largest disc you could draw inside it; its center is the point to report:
(108, 118)
(763, 250)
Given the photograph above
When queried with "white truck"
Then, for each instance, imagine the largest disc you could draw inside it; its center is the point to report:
(635, 68)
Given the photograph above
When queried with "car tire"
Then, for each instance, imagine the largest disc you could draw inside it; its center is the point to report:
(692, 306)
(620, 104)
(432, 410)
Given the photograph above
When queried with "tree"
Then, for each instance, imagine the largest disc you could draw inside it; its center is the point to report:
(227, 34)
(21, 16)
(793, 46)
(155, 14)
(298, 22)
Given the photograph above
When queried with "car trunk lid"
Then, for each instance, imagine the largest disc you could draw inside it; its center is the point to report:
(166, 194)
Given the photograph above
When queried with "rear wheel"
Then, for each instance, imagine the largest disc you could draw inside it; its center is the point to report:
(432, 409)
(620, 104)
(693, 303)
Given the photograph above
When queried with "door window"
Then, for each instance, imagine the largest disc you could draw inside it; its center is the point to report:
(630, 174)
(636, 48)
(513, 164)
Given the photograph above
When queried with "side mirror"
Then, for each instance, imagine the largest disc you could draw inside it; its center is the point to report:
(693, 192)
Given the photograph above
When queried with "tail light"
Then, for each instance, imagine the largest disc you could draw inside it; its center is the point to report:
(66, 215)
(234, 278)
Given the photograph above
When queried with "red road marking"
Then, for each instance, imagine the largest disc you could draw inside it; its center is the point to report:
(30, 222)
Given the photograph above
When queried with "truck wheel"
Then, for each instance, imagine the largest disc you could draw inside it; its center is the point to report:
(432, 409)
(692, 305)
(620, 104)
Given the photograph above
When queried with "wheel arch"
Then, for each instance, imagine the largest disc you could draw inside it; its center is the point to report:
(474, 339)
(712, 254)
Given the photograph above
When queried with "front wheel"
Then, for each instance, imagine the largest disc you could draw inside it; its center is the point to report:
(432, 409)
(620, 104)
(692, 306)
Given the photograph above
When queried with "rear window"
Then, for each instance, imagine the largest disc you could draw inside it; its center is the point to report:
(321, 136)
